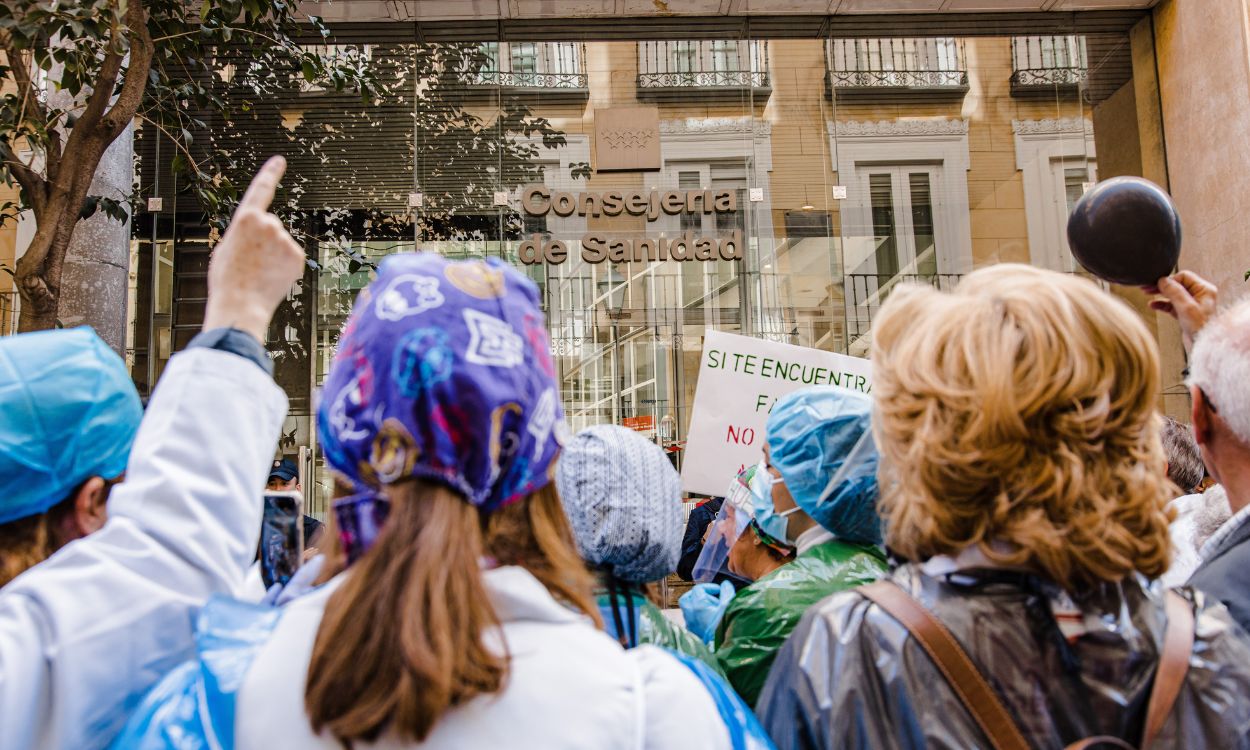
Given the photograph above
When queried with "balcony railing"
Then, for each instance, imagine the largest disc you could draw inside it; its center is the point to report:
(8, 313)
(865, 292)
(917, 64)
(715, 64)
(535, 65)
(1045, 61)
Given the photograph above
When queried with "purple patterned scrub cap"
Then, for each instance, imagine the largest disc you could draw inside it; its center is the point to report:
(443, 372)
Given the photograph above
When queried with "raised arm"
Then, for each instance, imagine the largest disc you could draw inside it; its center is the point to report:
(84, 634)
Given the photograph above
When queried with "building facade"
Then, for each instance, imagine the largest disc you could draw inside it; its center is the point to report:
(773, 176)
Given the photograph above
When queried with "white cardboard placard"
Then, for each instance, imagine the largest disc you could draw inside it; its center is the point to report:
(740, 378)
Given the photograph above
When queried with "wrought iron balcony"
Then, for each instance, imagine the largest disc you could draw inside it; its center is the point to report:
(909, 64)
(720, 64)
(865, 292)
(535, 65)
(1048, 61)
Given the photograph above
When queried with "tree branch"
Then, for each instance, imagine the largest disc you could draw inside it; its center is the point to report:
(102, 90)
(31, 182)
(25, 87)
(131, 96)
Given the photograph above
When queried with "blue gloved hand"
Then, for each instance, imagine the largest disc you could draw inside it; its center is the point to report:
(703, 606)
(301, 583)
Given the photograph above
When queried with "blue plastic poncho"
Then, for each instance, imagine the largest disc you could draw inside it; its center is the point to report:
(68, 412)
(820, 439)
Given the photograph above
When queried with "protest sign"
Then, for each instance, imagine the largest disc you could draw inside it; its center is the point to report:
(740, 378)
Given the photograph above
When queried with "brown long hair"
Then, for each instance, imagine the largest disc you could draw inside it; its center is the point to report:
(402, 639)
(28, 541)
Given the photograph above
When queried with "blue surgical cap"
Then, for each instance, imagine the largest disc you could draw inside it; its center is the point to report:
(68, 412)
(820, 439)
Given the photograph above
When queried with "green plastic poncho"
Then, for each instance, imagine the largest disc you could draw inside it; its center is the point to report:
(762, 615)
(651, 626)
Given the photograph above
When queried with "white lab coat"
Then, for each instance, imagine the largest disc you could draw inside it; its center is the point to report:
(569, 686)
(86, 633)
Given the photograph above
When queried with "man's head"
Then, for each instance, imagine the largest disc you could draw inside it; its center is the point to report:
(1219, 371)
(68, 417)
(283, 476)
(1184, 460)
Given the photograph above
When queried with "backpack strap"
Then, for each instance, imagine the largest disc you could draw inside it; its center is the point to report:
(983, 703)
(980, 700)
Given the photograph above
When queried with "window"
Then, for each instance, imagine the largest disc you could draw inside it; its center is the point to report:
(725, 56)
(904, 239)
(524, 57)
(1056, 159)
(685, 57)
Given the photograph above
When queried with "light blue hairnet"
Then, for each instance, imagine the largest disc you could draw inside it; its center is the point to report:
(623, 500)
(820, 439)
(68, 412)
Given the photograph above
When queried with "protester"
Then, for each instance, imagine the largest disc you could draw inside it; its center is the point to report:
(314, 536)
(1184, 461)
(1219, 371)
(1185, 469)
(457, 612)
(70, 416)
(816, 493)
(697, 524)
(85, 633)
(623, 500)
(1025, 487)
(284, 476)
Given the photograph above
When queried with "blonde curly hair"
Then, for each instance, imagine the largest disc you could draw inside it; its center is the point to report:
(1017, 414)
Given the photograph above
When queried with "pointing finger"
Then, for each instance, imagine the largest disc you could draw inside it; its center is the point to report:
(260, 193)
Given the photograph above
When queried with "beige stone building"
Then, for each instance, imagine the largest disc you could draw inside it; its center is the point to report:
(862, 144)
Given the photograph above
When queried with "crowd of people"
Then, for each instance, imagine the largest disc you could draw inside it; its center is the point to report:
(1006, 546)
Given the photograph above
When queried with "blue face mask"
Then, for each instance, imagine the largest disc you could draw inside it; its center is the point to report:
(773, 523)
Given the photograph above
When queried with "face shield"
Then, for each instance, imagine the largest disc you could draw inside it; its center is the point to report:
(735, 513)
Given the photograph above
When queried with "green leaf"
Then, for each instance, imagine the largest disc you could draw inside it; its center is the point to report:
(309, 69)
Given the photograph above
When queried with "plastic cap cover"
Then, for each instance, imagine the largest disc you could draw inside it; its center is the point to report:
(623, 500)
(68, 412)
(820, 439)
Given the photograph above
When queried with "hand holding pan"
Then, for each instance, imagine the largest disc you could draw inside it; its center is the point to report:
(1126, 230)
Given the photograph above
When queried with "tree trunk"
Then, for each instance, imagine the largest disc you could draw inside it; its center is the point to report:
(97, 264)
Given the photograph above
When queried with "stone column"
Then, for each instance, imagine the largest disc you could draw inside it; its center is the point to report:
(97, 266)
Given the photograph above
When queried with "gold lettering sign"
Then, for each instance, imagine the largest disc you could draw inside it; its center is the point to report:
(539, 200)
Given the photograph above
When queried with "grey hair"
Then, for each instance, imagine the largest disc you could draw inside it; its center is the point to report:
(1211, 515)
(1220, 366)
(1184, 461)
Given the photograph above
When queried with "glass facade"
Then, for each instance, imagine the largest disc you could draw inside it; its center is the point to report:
(802, 180)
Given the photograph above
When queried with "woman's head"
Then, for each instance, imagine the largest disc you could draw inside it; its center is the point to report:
(623, 499)
(441, 420)
(755, 554)
(443, 372)
(820, 447)
(1017, 415)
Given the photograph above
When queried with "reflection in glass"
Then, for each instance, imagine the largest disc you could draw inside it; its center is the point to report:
(883, 228)
(922, 223)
